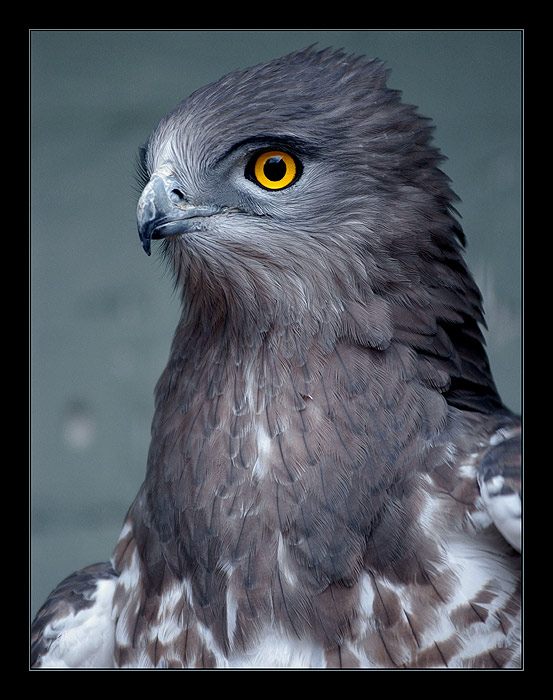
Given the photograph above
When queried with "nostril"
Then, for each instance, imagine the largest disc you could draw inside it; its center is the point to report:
(176, 196)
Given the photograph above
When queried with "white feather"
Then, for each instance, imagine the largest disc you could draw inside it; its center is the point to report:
(84, 640)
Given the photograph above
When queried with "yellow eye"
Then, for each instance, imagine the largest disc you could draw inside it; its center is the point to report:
(274, 170)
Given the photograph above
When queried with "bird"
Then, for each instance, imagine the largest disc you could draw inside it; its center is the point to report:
(333, 480)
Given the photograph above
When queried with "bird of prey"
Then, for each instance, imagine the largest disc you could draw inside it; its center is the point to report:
(333, 480)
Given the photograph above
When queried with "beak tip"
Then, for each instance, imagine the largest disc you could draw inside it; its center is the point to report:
(146, 244)
(145, 234)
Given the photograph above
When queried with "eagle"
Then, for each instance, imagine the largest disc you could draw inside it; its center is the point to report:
(333, 480)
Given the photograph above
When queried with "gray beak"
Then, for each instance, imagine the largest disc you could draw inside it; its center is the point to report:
(163, 210)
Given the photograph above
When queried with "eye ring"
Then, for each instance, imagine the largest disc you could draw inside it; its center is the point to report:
(273, 170)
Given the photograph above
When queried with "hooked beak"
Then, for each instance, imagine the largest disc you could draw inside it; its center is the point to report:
(163, 210)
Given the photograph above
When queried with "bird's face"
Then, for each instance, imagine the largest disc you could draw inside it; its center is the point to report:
(254, 192)
(261, 158)
(307, 173)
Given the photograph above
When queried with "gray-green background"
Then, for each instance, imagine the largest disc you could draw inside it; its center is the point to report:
(102, 313)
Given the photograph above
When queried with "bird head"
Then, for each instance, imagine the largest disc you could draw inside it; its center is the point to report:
(305, 180)
(303, 149)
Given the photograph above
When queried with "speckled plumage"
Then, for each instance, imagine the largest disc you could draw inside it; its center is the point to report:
(327, 412)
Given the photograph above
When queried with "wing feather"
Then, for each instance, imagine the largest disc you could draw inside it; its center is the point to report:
(500, 481)
(74, 628)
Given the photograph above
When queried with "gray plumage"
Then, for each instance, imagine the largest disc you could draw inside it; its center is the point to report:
(327, 412)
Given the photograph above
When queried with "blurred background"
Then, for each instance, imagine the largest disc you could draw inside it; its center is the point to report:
(102, 313)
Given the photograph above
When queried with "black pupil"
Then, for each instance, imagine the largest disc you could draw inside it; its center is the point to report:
(275, 169)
